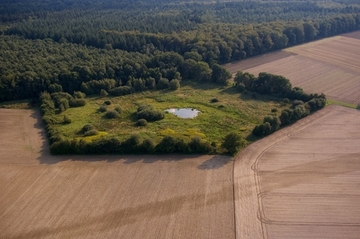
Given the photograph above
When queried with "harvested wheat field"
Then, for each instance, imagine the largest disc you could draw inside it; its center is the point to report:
(330, 66)
(107, 196)
(302, 181)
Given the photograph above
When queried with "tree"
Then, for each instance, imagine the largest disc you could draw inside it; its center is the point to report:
(174, 84)
(233, 143)
(103, 93)
(220, 74)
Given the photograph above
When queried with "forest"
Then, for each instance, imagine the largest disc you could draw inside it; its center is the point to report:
(73, 42)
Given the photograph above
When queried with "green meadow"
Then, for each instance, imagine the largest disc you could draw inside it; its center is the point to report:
(223, 110)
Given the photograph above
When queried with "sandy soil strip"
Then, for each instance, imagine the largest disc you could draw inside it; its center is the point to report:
(246, 186)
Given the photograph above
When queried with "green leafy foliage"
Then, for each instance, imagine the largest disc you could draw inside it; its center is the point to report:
(149, 113)
(233, 143)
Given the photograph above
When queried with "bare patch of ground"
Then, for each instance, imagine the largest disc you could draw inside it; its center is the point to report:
(330, 66)
(107, 196)
(303, 181)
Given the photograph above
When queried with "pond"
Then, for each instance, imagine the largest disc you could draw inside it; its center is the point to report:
(185, 113)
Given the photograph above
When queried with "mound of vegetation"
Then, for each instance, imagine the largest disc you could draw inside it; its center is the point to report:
(149, 113)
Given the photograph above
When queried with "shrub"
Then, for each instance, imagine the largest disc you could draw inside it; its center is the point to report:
(77, 102)
(58, 96)
(118, 109)
(174, 84)
(79, 95)
(91, 132)
(214, 100)
(86, 128)
(149, 113)
(274, 110)
(63, 104)
(197, 145)
(66, 120)
(170, 144)
(233, 143)
(296, 103)
(141, 122)
(103, 93)
(55, 88)
(121, 90)
(107, 102)
(132, 144)
(148, 146)
(103, 108)
(241, 87)
(163, 84)
(112, 114)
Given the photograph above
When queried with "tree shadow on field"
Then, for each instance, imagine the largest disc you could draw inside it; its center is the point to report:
(215, 162)
(44, 150)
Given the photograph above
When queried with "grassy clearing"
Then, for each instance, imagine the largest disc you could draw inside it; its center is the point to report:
(234, 112)
(335, 102)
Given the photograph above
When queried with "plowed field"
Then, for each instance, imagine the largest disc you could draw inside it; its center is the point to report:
(107, 196)
(330, 66)
(303, 181)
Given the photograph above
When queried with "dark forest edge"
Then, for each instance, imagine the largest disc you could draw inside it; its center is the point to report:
(70, 43)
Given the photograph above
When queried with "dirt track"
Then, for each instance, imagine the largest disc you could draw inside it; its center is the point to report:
(107, 196)
(302, 181)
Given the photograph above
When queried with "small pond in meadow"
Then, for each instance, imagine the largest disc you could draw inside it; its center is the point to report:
(186, 113)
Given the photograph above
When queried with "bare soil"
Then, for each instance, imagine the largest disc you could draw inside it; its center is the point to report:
(330, 66)
(303, 181)
(107, 196)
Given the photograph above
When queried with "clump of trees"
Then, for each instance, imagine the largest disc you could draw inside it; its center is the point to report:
(268, 84)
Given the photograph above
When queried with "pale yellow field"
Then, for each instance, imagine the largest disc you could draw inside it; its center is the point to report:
(107, 196)
(330, 66)
(303, 181)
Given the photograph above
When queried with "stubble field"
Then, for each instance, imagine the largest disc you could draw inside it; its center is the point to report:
(330, 66)
(303, 181)
(107, 196)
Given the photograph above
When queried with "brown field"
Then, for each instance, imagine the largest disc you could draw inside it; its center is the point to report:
(330, 66)
(107, 196)
(302, 181)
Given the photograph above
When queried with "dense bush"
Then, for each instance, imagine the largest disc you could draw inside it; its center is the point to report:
(233, 142)
(103, 108)
(163, 84)
(197, 145)
(174, 84)
(118, 109)
(77, 102)
(170, 144)
(141, 122)
(66, 120)
(103, 93)
(91, 132)
(121, 90)
(112, 114)
(148, 146)
(86, 128)
(79, 95)
(149, 113)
